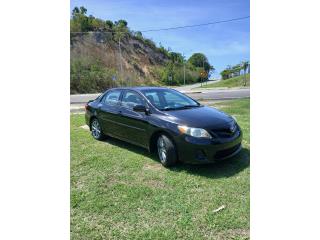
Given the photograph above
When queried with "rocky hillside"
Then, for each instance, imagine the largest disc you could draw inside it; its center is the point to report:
(138, 60)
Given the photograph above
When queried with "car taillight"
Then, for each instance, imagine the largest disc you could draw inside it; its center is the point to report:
(86, 106)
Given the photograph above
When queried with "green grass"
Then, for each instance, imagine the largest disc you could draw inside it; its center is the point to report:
(120, 191)
(229, 83)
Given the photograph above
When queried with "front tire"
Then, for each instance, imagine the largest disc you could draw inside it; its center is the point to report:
(96, 130)
(166, 151)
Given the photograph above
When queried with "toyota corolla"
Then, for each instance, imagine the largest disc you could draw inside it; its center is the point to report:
(165, 121)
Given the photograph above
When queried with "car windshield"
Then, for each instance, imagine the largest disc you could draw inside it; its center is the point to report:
(167, 99)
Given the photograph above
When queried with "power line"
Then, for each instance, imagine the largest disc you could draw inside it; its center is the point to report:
(196, 25)
(179, 27)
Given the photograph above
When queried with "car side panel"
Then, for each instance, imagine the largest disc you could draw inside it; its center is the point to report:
(109, 117)
(134, 126)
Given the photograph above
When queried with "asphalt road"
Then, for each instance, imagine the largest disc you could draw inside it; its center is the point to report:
(216, 94)
(221, 94)
(82, 98)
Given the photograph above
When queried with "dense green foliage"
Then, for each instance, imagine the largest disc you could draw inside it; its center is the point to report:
(173, 74)
(90, 76)
(80, 22)
(200, 60)
(120, 191)
(234, 71)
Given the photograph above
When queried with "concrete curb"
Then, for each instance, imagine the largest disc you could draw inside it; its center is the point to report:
(190, 92)
(221, 99)
(225, 88)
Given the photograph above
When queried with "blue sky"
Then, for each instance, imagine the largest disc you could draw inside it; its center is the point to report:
(224, 44)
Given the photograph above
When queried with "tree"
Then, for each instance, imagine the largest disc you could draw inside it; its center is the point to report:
(138, 35)
(121, 23)
(225, 74)
(245, 66)
(109, 24)
(79, 22)
(236, 70)
(176, 57)
(75, 11)
(121, 29)
(96, 24)
(83, 10)
(163, 50)
(201, 61)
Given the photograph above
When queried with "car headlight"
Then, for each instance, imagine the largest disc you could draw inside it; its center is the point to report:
(194, 132)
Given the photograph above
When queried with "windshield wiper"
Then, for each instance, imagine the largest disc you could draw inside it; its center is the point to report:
(178, 108)
(191, 106)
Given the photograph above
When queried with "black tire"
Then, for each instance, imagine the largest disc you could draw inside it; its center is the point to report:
(166, 151)
(96, 130)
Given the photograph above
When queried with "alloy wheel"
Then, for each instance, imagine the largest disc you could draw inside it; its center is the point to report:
(162, 152)
(95, 129)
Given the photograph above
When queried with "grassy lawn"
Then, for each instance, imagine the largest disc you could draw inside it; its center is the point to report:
(229, 83)
(120, 191)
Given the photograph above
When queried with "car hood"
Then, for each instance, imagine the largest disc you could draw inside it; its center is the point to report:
(200, 117)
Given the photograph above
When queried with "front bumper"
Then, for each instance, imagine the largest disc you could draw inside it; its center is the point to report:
(194, 150)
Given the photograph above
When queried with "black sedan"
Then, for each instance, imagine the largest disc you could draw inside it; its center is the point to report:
(164, 120)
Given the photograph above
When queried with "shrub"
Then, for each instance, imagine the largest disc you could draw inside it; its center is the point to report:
(176, 73)
(150, 43)
(89, 76)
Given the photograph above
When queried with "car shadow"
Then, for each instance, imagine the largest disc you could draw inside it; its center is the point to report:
(222, 169)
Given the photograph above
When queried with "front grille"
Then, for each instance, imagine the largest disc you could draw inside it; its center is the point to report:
(224, 132)
(226, 152)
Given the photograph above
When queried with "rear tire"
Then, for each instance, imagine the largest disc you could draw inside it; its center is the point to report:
(96, 130)
(166, 151)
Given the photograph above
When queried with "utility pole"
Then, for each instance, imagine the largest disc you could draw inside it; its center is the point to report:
(120, 61)
(203, 64)
(203, 71)
(184, 71)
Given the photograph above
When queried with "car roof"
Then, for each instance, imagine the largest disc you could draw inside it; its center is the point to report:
(138, 88)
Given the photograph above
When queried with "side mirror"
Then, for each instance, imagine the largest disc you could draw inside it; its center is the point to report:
(141, 108)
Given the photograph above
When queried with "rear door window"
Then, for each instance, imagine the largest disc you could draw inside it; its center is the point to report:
(112, 98)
